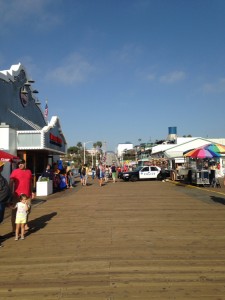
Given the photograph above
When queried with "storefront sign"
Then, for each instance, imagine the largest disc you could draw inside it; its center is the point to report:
(55, 140)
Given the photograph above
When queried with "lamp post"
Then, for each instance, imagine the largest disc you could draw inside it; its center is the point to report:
(84, 149)
(96, 157)
(92, 159)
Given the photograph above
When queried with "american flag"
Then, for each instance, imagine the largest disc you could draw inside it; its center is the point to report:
(46, 110)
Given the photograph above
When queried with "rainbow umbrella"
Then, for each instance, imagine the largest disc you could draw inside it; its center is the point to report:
(218, 148)
(201, 153)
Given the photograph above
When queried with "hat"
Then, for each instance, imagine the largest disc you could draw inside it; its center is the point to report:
(1, 163)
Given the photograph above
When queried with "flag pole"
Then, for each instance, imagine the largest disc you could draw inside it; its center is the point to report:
(46, 110)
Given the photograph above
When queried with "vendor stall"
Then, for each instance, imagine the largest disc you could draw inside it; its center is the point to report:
(200, 177)
(201, 164)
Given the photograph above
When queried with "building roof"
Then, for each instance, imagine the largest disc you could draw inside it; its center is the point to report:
(175, 151)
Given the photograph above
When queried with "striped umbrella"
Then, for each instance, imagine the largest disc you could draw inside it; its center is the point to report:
(201, 153)
(218, 148)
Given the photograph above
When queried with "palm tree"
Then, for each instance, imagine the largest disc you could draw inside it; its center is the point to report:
(99, 144)
(79, 145)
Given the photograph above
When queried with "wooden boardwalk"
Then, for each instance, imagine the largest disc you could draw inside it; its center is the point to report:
(141, 240)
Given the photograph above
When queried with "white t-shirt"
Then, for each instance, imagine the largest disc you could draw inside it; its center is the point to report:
(21, 210)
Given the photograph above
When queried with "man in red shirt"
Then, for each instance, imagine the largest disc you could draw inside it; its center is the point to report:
(20, 183)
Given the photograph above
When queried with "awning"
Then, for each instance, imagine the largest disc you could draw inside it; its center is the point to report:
(5, 156)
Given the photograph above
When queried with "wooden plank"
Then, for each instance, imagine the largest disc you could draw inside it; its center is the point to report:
(141, 240)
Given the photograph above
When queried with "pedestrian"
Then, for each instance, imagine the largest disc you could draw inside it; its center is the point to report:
(4, 194)
(21, 216)
(106, 173)
(93, 173)
(20, 183)
(113, 170)
(63, 180)
(84, 174)
(80, 172)
(125, 168)
(110, 172)
(70, 179)
(48, 173)
(56, 178)
(99, 174)
(163, 172)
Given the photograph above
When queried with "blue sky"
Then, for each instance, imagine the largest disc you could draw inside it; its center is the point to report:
(122, 70)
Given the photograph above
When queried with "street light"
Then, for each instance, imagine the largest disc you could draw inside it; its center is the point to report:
(84, 149)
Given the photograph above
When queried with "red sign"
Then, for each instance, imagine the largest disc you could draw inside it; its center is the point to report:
(55, 140)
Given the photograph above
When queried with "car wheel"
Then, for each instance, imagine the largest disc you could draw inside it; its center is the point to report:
(126, 179)
(134, 178)
(159, 177)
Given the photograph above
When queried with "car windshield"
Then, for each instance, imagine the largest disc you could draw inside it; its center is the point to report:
(138, 168)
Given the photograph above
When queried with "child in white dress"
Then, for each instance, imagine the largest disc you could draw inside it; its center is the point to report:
(21, 215)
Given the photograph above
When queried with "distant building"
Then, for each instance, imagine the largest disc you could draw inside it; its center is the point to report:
(121, 148)
(175, 152)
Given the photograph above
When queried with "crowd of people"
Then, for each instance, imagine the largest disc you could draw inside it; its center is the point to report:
(102, 172)
(61, 176)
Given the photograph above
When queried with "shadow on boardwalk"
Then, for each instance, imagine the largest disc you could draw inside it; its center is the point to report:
(218, 200)
(35, 225)
(40, 223)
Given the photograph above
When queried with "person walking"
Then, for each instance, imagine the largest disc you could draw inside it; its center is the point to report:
(70, 179)
(21, 208)
(84, 174)
(113, 170)
(163, 172)
(20, 183)
(80, 173)
(4, 194)
(99, 174)
(93, 172)
(106, 173)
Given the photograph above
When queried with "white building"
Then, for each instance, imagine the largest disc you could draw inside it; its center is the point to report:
(121, 148)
